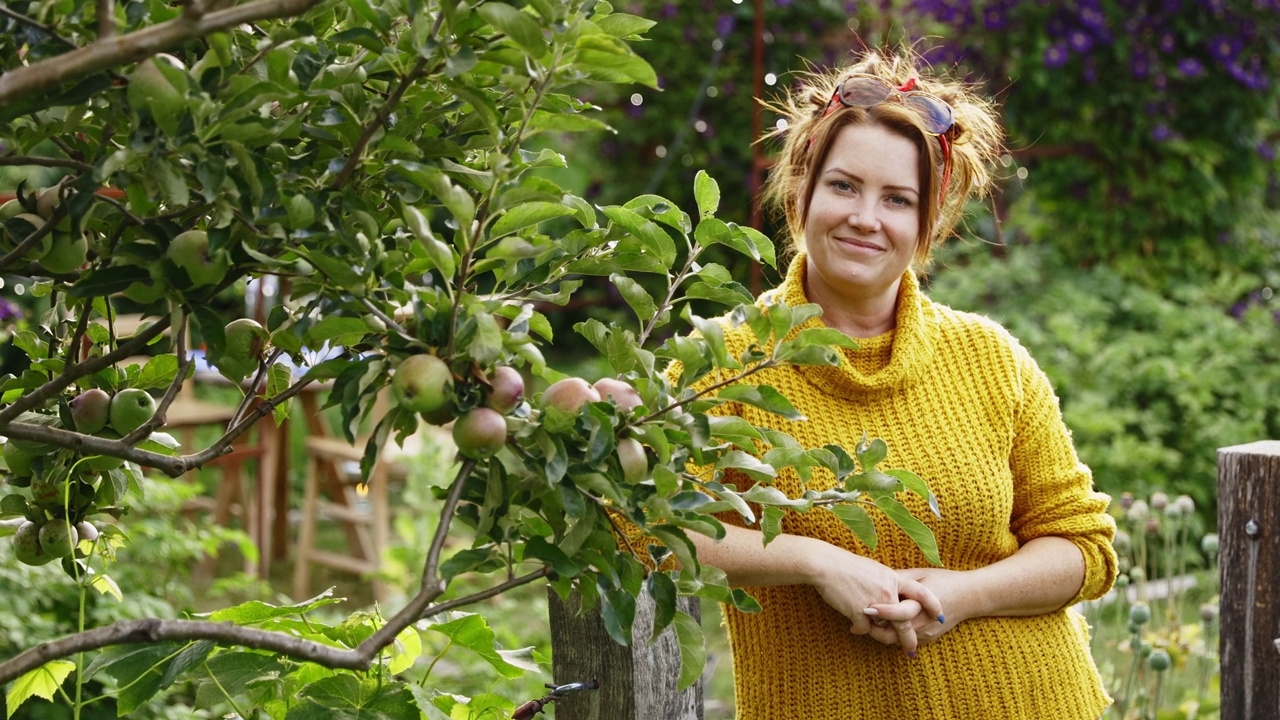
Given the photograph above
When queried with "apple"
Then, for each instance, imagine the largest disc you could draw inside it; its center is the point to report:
(26, 545)
(620, 392)
(190, 251)
(49, 490)
(480, 433)
(507, 389)
(11, 209)
(90, 410)
(18, 459)
(635, 465)
(23, 225)
(57, 538)
(245, 341)
(65, 252)
(144, 293)
(47, 201)
(569, 394)
(102, 463)
(130, 408)
(87, 530)
(159, 93)
(422, 383)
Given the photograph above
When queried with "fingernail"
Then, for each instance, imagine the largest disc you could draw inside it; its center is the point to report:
(912, 654)
(942, 619)
(871, 611)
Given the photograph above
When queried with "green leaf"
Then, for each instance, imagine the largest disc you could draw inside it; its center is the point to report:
(159, 372)
(771, 523)
(256, 611)
(764, 246)
(622, 25)
(191, 656)
(663, 591)
(473, 633)
(707, 194)
(636, 296)
(108, 281)
(693, 650)
(346, 696)
(772, 496)
(343, 331)
(236, 669)
(871, 452)
(42, 682)
(605, 58)
(856, 519)
(917, 485)
(519, 26)
(747, 464)
(912, 526)
(527, 215)
(137, 669)
(763, 397)
(654, 239)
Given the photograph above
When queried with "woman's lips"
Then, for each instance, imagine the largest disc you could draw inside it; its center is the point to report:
(862, 245)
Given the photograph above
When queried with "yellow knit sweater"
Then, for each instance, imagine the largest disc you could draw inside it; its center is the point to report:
(961, 404)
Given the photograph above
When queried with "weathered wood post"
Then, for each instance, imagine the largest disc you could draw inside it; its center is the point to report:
(1249, 528)
(637, 682)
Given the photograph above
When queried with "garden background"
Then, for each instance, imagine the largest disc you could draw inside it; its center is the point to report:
(1133, 244)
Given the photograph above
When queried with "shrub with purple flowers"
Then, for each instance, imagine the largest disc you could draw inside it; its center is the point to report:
(1145, 125)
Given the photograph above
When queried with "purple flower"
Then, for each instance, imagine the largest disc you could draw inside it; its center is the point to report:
(1162, 133)
(1190, 67)
(1266, 151)
(850, 7)
(724, 25)
(1140, 64)
(993, 16)
(1093, 19)
(670, 10)
(1225, 48)
(1055, 55)
(1079, 41)
(784, 3)
(1166, 43)
(8, 311)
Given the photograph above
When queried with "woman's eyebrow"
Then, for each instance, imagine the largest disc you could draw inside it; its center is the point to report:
(857, 179)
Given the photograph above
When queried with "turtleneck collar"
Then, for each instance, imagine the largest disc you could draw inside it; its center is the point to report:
(882, 364)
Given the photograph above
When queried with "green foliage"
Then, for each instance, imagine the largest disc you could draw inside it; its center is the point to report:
(1151, 384)
(380, 160)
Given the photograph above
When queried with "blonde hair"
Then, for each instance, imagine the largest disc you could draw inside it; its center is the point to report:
(976, 142)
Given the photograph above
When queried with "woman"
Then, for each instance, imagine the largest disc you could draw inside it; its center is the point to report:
(877, 163)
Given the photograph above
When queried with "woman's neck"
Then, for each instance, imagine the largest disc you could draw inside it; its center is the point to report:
(856, 316)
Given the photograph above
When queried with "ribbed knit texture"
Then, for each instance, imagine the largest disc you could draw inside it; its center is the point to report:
(961, 404)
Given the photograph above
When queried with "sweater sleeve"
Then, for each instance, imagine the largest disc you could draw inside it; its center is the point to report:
(1053, 490)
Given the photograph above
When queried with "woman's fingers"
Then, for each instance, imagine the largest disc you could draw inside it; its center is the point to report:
(893, 624)
(930, 603)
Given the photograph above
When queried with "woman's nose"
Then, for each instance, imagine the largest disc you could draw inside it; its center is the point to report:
(864, 219)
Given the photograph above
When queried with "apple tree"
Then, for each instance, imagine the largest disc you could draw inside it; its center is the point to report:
(387, 163)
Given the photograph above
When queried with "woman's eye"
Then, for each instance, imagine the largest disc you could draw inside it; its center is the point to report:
(899, 201)
(841, 185)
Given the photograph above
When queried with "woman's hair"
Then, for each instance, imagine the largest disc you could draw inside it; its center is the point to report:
(976, 142)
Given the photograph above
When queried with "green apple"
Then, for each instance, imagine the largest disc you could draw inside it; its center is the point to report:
(130, 408)
(22, 226)
(506, 389)
(26, 545)
(47, 201)
(102, 463)
(87, 530)
(569, 394)
(422, 383)
(57, 538)
(190, 251)
(11, 209)
(300, 212)
(144, 293)
(159, 92)
(620, 392)
(19, 460)
(631, 457)
(242, 354)
(65, 253)
(90, 410)
(49, 490)
(480, 433)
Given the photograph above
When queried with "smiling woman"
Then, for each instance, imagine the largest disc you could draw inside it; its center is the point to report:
(878, 161)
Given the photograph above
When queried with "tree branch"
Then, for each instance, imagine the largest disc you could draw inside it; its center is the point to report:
(33, 161)
(431, 567)
(46, 29)
(106, 19)
(353, 160)
(124, 49)
(30, 241)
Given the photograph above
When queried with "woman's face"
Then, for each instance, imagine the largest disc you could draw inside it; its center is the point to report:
(863, 221)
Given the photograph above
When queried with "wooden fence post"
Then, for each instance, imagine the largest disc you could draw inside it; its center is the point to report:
(1249, 528)
(637, 682)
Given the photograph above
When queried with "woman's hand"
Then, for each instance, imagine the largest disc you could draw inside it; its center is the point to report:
(892, 621)
(852, 583)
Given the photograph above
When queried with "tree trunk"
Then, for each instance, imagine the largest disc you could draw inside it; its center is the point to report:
(636, 683)
(1249, 526)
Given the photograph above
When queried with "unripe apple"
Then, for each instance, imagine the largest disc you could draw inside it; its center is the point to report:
(130, 408)
(242, 354)
(23, 225)
(87, 530)
(47, 201)
(102, 463)
(26, 545)
(480, 433)
(49, 490)
(631, 456)
(158, 93)
(18, 460)
(144, 293)
(190, 251)
(11, 209)
(569, 394)
(57, 539)
(422, 383)
(620, 392)
(508, 389)
(64, 252)
(90, 410)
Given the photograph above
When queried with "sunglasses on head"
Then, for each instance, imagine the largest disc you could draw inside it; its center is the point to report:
(936, 116)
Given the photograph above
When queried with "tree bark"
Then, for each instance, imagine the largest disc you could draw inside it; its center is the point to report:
(637, 682)
(1249, 527)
